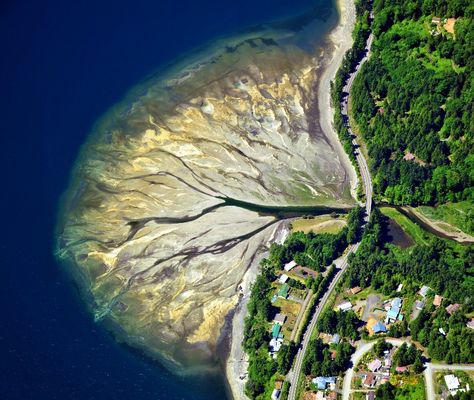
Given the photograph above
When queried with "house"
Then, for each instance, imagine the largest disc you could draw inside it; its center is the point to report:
(399, 288)
(437, 300)
(370, 396)
(289, 266)
(275, 394)
(470, 324)
(344, 306)
(409, 157)
(419, 304)
(375, 365)
(275, 345)
(379, 328)
(388, 363)
(279, 319)
(369, 381)
(452, 308)
(356, 290)
(283, 292)
(397, 302)
(278, 384)
(276, 331)
(394, 313)
(452, 382)
(442, 331)
(333, 354)
(401, 370)
(322, 381)
(283, 278)
(436, 20)
(335, 339)
(424, 291)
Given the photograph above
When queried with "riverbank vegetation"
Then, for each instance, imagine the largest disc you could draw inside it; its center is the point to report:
(459, 215)
(414, 100)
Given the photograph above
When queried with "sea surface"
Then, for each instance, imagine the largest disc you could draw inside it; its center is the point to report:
(62, 65)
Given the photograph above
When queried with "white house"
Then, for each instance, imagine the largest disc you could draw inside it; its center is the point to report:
(290, 266)
(283, 278)
(452, 382)
(344, 306)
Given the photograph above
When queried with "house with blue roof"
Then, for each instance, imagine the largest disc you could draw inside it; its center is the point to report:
(393, 313)
(322, 381)
(379, 328)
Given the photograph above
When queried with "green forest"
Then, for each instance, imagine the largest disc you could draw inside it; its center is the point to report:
(413, 101)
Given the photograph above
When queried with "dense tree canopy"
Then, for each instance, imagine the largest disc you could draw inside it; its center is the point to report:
(415, 96)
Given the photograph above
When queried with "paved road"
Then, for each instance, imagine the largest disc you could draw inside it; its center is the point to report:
(342, 264)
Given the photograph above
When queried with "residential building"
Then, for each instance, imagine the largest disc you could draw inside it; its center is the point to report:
(379, 328)
(452, 308)
(370, 396)
(470, 324)
(356, 290)
(335, 339)
(344, 306)
(279, 319)
(322, 382)
(399, 288)
(283, 278)
(401, 370)
(375, 365)
(442, 331)
(275, 345)
(276, 331)
(369, 381)
(436, 20)
(452, 382)
(275, 394)
(437, 300)
(424, 291)
(289, 266)
(419, 304)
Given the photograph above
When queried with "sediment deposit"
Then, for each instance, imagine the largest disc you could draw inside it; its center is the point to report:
(158, 225)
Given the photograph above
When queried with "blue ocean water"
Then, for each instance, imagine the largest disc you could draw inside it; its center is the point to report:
(62, 64)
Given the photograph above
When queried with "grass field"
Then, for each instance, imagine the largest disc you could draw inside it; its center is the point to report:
(419, 235)
(460, 215)
(319, 224)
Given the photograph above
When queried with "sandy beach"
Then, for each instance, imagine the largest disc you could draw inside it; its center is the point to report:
(341, 37)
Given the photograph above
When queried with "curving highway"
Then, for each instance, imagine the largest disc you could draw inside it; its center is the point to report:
(342, 263)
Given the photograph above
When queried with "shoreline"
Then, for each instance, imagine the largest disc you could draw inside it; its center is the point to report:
(237, 360)
(341, 38)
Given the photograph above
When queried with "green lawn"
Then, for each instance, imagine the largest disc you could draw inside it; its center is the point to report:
(460, 215)
(417, 233)
(411, 392)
